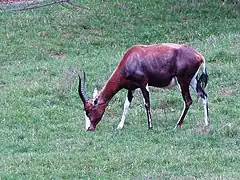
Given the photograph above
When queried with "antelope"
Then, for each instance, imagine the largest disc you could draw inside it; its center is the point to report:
(159, 65)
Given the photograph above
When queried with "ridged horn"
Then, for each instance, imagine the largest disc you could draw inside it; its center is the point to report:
(82, 88)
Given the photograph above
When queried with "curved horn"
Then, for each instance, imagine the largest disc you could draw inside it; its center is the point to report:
(82, 88)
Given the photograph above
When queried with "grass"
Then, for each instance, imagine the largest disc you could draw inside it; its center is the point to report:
(42, 121)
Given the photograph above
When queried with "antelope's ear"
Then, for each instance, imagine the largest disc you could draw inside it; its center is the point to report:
(95, 93)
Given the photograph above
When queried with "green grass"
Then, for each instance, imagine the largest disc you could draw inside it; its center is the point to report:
(42, 122)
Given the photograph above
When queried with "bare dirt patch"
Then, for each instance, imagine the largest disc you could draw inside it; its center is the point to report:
(226, 91)
(11, 2)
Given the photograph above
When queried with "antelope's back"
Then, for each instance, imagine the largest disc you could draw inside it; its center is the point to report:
(159, 63)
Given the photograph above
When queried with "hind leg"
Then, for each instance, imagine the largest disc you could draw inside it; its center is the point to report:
(204, 98)
(184, 85)
(145, 92)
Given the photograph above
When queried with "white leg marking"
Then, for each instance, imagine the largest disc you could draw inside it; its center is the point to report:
(193, 85)
(147, 88)
(205, 106)
(150, 120)
(87, 122)
(125, 111)
(184, 107)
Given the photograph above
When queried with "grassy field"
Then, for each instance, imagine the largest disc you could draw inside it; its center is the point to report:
(42, 131)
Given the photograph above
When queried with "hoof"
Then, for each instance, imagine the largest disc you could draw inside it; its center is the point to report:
(119, 127)
(177, 127)
(207, 124)
(150, 128)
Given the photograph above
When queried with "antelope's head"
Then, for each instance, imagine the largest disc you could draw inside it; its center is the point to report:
(93, 110)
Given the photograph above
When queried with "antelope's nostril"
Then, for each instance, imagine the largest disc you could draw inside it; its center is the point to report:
(91, 129)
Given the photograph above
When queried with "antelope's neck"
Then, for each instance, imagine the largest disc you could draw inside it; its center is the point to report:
(112, 86)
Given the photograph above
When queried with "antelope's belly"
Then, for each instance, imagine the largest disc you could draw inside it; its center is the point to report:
(163, 82)
(172, 83)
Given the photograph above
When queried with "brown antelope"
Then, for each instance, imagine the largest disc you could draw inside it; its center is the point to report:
(159, 65)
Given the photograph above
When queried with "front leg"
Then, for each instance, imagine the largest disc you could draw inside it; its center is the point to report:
(145, 92)
(125, 109)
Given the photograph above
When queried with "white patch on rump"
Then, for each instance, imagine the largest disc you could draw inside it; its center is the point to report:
(193, 82)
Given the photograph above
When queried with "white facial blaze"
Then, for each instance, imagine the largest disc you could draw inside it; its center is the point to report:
(87, 122)
(95, 93)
